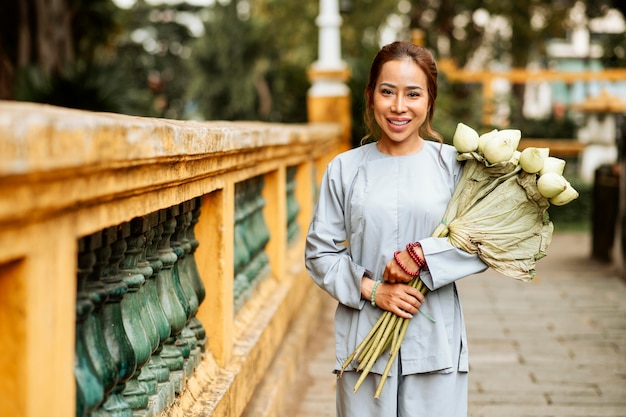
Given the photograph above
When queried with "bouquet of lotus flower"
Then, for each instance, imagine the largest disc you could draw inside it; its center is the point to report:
(497, 211)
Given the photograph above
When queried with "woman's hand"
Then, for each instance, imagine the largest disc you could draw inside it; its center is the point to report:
(394, 273)
(401, 299)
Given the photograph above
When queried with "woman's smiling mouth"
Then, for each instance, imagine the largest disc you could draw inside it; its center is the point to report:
(399, 122)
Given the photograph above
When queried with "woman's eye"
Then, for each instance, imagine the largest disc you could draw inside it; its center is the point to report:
(386, 91)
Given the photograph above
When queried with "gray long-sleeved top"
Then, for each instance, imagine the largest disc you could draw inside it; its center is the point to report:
(370, 205)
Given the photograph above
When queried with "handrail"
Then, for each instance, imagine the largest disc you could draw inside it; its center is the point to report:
(564, 148)
(69, 177)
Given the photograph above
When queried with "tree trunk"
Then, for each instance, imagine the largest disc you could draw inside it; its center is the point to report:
(54, 37)
(24, 53)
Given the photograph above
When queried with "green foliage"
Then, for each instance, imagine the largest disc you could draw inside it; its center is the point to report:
(225, 87)
(90, 88)
(252, 60)
(456, 103)
(247, 67)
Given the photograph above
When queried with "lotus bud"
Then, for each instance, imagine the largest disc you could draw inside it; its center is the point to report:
(514, 135)
(545, 152)
(551, 184)
(465, 138)
(531, 160)
(484, 138)
(552, 164)
(499, 147)
(566, 196)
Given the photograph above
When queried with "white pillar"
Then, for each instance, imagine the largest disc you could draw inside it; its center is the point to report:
(329, 48)
(328, 99)
(329, 72)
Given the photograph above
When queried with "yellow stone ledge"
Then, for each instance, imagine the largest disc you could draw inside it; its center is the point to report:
(55, 160)
(36, 138)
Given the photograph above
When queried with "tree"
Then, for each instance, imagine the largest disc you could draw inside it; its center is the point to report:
(251, 64)
(45, 42)
(479, 33)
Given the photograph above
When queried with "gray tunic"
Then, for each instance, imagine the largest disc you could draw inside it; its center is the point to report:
(379, 203)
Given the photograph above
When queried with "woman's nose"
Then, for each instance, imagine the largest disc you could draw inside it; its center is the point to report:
(398, 105)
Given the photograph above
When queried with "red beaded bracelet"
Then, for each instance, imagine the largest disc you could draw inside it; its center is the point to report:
(410, 248)
(403, 267)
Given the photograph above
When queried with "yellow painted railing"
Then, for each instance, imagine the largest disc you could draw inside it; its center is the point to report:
(67, 174)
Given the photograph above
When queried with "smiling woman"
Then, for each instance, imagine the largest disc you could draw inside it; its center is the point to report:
(385, 198)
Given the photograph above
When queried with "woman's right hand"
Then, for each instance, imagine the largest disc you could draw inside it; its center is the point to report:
(400, 299)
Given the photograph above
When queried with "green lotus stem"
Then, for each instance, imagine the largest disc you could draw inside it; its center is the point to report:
(379, 349)
(365, 341)
(373, 340)
(393, 355)
(376, 341)
(394, 340)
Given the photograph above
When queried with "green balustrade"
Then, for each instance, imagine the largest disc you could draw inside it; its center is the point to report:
(89, 390)
(89, 387)
(138, 291)
(293, 208)
(165, 389)
(250, 238)
(192, 270)
(98, 294)
(107, 267)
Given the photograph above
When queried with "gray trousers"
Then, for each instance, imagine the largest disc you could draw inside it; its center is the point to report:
(414, 395)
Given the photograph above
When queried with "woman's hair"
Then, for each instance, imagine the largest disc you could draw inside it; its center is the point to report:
(397, 51)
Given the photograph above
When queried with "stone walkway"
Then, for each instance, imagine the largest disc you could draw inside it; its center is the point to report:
(554, 347)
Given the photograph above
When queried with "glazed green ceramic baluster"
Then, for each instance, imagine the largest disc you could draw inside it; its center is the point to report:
(97, 349)
(89, 391)
(258, 233)
(136, 262)
(108, 258)
(197, 284)
(134, 393)
(169, 285)
(182, 247)
(152, 256)
(242, 253)
(186, 339)
(165, 390)
(292, 205)
(144, 382)
(242, 250)
(89, 388)
(174, 310)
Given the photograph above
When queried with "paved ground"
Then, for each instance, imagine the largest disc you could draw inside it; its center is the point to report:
(555, 347)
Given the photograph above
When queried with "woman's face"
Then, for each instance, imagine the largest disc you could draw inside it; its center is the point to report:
(400, 101)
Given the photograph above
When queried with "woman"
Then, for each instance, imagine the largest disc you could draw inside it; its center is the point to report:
(370, 234)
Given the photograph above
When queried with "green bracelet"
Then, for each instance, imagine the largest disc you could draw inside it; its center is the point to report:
(372, 298)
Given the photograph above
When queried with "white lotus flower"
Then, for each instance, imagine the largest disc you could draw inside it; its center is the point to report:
(551, 184)
(484, 138)
(566, 196)
(465, 138)
(501, 145)
(552, 164)
(531, 159)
